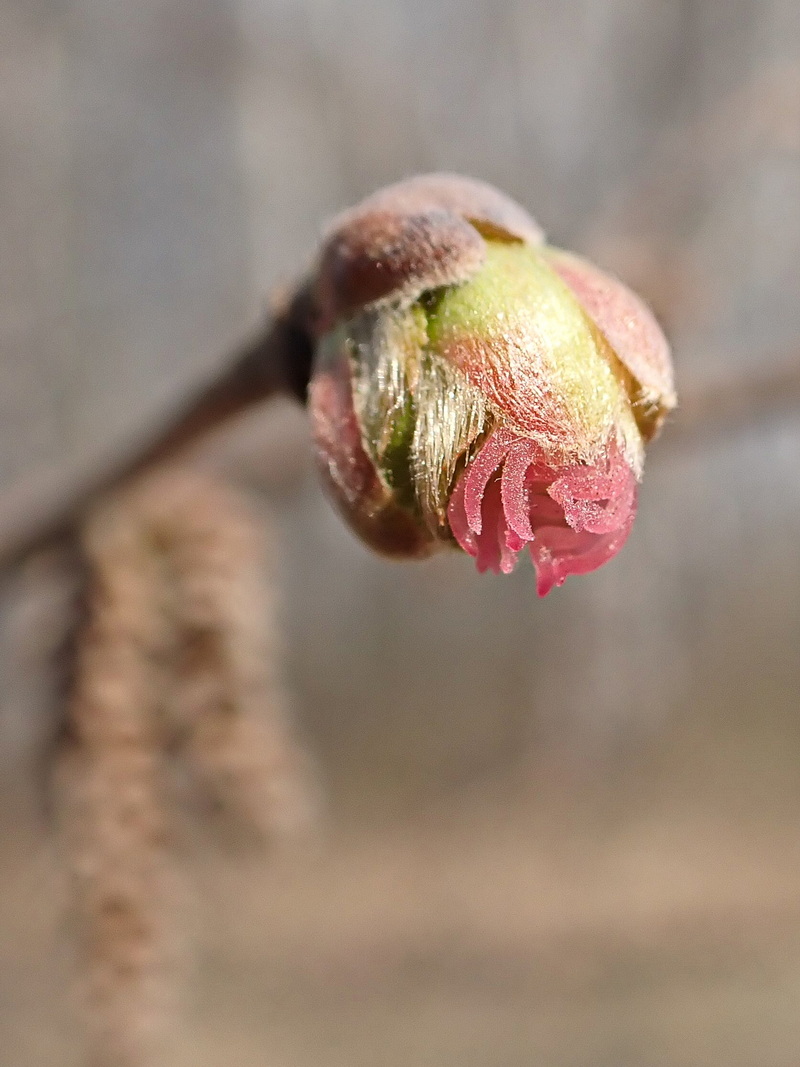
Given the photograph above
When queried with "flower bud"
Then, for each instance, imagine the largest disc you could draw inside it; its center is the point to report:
(476, 388)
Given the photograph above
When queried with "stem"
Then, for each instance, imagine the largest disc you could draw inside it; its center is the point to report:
(276, 360)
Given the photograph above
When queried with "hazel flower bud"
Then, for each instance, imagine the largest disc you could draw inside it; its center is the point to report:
(474, 387)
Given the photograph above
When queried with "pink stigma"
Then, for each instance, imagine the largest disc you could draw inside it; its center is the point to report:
(573, 519)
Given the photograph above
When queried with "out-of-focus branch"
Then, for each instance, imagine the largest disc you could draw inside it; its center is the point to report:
(276, 360)
(729, 405)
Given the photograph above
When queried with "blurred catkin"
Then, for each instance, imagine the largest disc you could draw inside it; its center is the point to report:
(114, 818)
(173, 659)
(228, 703)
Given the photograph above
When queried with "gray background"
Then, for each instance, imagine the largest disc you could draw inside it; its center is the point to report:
(559, 832)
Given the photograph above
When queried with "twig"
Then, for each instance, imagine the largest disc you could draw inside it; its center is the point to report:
(727, 406)
(276, 360)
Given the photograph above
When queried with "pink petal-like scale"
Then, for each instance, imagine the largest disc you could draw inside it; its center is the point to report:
(459, 523)
(490, 541)
(480, 471)
(516, 503)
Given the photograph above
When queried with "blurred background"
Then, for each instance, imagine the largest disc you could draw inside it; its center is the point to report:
(563, 832)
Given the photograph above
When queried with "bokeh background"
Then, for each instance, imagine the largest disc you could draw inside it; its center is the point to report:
(563, 833)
